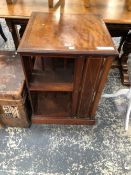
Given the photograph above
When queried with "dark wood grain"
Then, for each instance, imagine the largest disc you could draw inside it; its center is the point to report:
(78, 73)
(92, 71)
(115, 13)
(100, 85)
(66, 34)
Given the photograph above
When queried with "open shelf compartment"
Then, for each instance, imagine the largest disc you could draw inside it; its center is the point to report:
(55, 108)
(52, 76)
(51, 104)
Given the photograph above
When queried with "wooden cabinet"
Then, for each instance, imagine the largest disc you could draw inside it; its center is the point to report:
(66, 59)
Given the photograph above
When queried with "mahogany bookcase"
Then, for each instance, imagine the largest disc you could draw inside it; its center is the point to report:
(66, 60)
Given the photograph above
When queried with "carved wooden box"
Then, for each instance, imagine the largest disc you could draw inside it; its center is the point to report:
(14, 104)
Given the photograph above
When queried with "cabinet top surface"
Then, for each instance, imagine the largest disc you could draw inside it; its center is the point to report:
(53, 33)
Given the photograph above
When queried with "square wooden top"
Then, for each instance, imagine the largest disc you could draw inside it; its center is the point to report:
(66, 34)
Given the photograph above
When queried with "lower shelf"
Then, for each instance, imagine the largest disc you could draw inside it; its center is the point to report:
(50, 104)
(55, 108)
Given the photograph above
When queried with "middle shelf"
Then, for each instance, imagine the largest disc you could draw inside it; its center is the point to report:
(51, 78)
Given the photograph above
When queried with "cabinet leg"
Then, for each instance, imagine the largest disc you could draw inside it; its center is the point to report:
(22, 29)
(14, 32)
(124, 58)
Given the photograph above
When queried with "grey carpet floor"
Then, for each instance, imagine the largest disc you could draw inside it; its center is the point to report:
(102, 149)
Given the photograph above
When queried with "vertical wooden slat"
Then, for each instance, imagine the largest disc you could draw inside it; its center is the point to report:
(91, 73)
(100, 86)
(79, 63)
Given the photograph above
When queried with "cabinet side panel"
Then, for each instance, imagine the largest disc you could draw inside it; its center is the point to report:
(92, 73)
(100, 85)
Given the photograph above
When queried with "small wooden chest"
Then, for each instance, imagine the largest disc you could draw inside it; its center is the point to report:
(14, 104)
